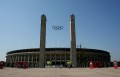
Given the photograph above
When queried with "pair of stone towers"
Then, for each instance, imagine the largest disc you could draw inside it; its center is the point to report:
(73, 58)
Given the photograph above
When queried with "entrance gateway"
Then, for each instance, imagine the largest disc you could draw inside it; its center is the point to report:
(43, 42)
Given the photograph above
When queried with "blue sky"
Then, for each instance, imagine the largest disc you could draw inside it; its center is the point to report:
(97, 24)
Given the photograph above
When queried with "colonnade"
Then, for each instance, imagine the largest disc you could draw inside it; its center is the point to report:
(57, 58)
(33, 59)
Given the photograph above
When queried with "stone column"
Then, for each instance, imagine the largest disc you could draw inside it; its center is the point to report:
(28, 60)
(21, 58)
(12, 59)
(15, 59)
(42, 42)
(50, 57)
(55, 59)
(32, 58)
(60, 59)
(73, 57)
(24, 57)
(65, 57)
(36, 58)
(18, 58)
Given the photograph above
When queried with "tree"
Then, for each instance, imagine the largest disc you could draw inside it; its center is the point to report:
(69, 63)
(49, 63)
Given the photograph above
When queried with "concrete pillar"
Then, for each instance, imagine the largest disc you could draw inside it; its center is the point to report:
(73, 57)
(42, 42)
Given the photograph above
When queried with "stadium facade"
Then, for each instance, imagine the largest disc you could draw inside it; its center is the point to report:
(38, 57)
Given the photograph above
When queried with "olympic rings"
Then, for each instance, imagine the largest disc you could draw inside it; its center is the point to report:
(57, 27)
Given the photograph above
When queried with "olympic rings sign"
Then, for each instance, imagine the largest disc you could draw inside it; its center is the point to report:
(57, 27)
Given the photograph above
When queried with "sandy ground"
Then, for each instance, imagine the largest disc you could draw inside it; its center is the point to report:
(60, 72)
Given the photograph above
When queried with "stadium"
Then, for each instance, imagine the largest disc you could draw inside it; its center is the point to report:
(58, 56)
(38, 57)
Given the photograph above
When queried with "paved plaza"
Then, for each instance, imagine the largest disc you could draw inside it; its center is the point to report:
(60, 72)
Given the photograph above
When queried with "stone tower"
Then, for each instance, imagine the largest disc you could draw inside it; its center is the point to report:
(42, 42)
(73, 57)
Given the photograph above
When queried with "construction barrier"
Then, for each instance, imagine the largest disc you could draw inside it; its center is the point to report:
(96, 64)
(21, 65)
